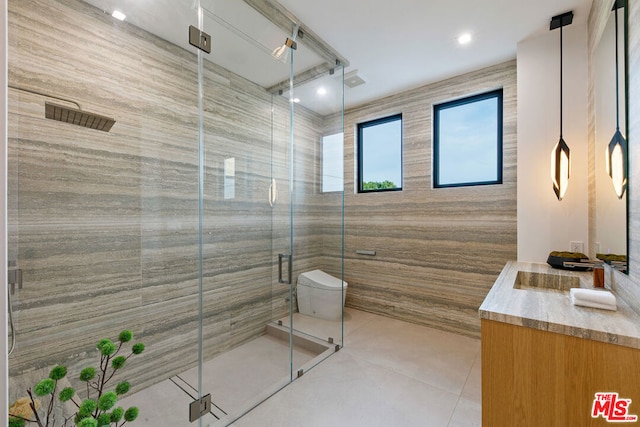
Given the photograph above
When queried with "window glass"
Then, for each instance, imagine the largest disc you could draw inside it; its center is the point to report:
(468, 141)
(332, 162)
(380, 154)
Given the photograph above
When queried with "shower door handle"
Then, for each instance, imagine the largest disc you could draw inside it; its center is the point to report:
(273, 192)
(280, 257)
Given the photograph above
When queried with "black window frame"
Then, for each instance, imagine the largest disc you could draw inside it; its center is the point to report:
(371, 123)
(498, 93)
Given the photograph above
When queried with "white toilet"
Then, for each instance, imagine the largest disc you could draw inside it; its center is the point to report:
(320, 295)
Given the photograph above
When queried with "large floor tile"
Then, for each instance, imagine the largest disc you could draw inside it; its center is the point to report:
(389, 373)
(468, 413)
(438, 358)
(240, 376)
(163, 404)
(473, 387)
(347, 391)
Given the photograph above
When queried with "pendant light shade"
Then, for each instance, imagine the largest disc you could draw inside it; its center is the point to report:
(560, 168)
(616, 163)
(616, 154)
(561, 155)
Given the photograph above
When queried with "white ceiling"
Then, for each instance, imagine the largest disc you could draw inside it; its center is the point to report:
(402, 44)
(394, 45)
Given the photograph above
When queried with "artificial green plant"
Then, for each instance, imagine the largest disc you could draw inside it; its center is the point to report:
(99, 408)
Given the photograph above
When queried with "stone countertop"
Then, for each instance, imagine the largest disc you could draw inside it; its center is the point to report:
(551, 310)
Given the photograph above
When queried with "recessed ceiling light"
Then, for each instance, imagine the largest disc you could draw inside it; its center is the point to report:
(464, 38)
(119, 15)
(295, 100)
(321, 91)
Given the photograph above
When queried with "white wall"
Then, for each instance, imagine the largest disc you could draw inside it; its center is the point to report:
(544, 223)
(4, 385)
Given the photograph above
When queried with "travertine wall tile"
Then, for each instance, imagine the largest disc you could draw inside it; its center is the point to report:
(106, 225)
(438, 251)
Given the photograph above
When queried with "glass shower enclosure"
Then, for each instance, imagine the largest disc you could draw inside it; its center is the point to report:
(189, 220)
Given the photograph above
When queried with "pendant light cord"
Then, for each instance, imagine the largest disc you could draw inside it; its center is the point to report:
(617, 84)
(561, 82)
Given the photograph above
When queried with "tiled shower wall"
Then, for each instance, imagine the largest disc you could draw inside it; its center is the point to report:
(105, 225)
(438, 251)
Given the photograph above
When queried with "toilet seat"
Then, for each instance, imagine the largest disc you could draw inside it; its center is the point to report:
(320, 280)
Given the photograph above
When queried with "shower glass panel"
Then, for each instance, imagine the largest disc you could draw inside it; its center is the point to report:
(103, 224)
(318, 206)
(265, 218)
(178, 194)
(245, 221)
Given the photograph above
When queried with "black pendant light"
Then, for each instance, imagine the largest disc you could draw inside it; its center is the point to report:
(560, 156)
(616, 154)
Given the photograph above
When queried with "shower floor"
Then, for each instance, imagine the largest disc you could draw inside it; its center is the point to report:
(237, 381)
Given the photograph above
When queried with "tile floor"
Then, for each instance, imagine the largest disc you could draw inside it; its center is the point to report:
(238, 379)
(390, 373)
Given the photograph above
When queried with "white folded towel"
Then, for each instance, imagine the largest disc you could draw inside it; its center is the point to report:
(593, 298)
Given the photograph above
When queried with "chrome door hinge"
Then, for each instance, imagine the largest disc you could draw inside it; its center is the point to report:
(198, 408)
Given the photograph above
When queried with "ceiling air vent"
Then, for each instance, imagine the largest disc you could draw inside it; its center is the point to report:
(352, 79)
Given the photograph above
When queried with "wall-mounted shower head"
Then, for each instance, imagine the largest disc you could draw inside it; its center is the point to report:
(77, 117)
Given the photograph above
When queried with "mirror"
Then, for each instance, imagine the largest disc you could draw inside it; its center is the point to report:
(611, 211)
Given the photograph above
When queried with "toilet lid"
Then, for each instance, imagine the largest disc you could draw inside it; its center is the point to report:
(320, 279)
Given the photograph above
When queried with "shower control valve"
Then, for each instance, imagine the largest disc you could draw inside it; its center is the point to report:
(14, 277)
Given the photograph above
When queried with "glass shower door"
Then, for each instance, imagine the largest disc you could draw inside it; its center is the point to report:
(266, 217)
(245, 210)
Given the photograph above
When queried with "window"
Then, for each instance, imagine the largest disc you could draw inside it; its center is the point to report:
(380, 154)
(467, 143)
(332, 162)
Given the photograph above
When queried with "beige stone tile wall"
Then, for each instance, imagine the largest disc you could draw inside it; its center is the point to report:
(105, 226)
(438, 251)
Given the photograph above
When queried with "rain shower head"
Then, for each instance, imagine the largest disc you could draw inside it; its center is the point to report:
(77, 117)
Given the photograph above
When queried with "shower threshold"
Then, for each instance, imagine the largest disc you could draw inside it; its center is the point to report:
(238, 380)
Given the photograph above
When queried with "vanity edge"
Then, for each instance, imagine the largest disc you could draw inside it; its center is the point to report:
(553, 311)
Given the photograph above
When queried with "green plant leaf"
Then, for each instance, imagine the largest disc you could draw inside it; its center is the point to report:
(125, 336)
(106, 347)
(118, 362)
(131, 414)
(16, 422)
(107, 401)
(88, 422)
(66, 394)
(123, 387)
(87, 406)
(58, 373)
(137, 348)
(44, 387)
(87, 374)
(117, 414)
(104, 420)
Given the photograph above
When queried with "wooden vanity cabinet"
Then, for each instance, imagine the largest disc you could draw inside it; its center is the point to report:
(537, 378)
